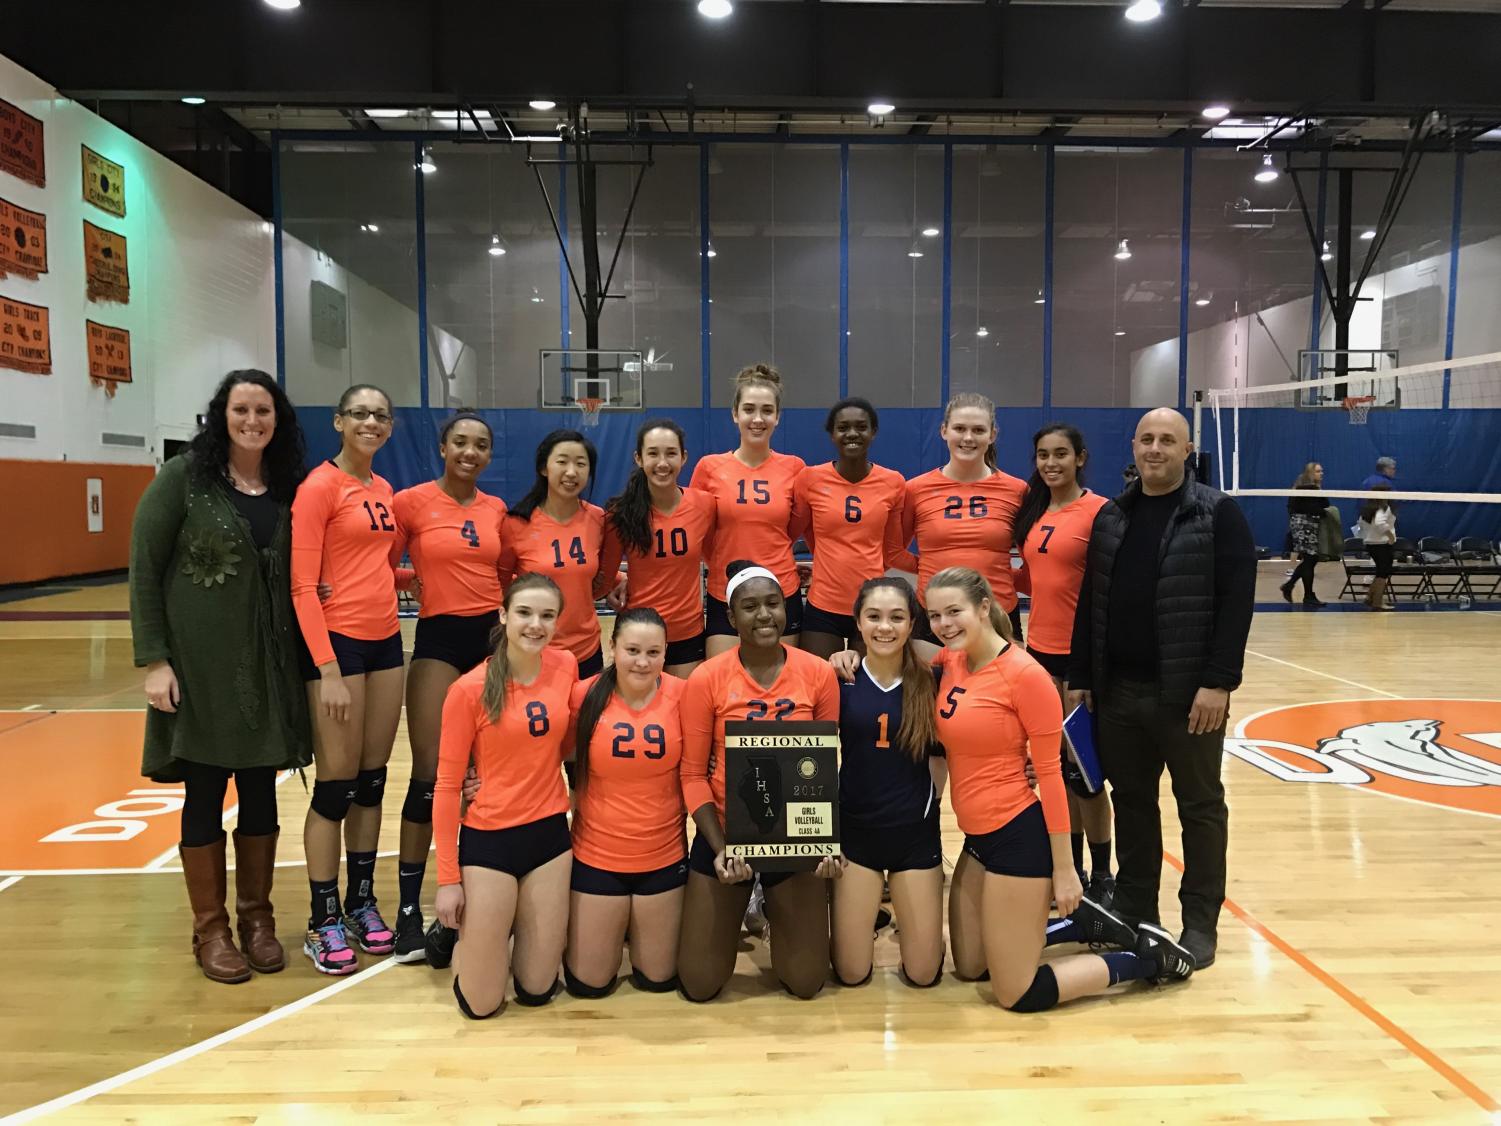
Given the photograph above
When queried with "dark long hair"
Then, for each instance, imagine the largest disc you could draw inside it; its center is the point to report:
(284, 462)
(498, 671)
(598, 697)
(919, 729)
(630, 512)
(538, 492)
(1371, 506)
(1035, 503)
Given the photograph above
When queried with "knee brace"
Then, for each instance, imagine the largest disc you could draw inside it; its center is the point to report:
(577, 988)
(854, 984)
(1042, 994)
(418, 807)
(369, 786)
(534, 1000)
(331, 800)
(464, 1008)
(906, 977)
(651, 985)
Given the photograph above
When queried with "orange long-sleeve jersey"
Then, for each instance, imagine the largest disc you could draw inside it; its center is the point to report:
(989, 721)
(519, 757)
(720, 690)
(1055, 552)
(855, 530)
(964, 524)
(755, 515)
(669, 577)
(568, 554)
(455, 548)
(629, 816)
(343, 533)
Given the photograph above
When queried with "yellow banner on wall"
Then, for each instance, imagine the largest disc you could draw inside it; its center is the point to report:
(25, 337)
(22, 151)
(23, 241)
(105, 264)
(109, 356)
(103, 182)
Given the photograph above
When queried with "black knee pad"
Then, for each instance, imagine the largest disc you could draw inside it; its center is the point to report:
(370, 787)
(577, 988)
(906, 977)
(794, 993)
(464, 1008)
(534, 1000)
(854, 984)
(331, 800)
(651, 985)
(418, 808)
(1042, 994)
(686, 996)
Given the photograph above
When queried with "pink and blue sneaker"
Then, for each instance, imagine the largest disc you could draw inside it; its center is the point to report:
(328, 947)
(369, 929)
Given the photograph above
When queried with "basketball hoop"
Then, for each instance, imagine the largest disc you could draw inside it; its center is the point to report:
(591, 408)
(1359, 407)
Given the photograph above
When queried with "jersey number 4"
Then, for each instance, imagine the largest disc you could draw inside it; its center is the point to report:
(953, 508)
(575, 552)
(652, 735)
(950, 702)
(757, 709)
(469, 533)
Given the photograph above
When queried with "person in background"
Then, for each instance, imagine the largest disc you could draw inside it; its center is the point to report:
(1159, 643)
(1386, 473)
(1304, 515)
(1378, 531)
(211, 620)
(1129, 474)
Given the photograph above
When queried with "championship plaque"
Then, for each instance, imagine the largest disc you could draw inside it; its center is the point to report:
(781, 793)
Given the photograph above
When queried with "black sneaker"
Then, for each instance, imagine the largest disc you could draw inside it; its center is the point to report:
(1201, 944)
(438, 944)
(1100, 927)
(409, 942)
(1172, 961)
(1100, 889)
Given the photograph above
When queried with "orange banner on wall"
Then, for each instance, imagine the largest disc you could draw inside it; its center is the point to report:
(103, 182)
(25, 337)
(22, 151)
(23, 241)
(109, 355)
(106, 264)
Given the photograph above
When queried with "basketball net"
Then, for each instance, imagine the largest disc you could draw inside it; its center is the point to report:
(1359, 407)
(591, 408)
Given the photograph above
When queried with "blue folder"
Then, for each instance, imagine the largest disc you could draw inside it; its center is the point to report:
(1078, 742)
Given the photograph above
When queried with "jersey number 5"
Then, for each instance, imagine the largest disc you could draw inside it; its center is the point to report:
(951, 702)
(575, 552)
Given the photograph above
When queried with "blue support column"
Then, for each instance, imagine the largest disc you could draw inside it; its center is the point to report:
(565, 304)
(844, 270)
(424, 396)
(1317, 311)
(948, 275)
(1183, 276)
(280, 282)
(1454, 225)
(1047, 279)
(704, 291)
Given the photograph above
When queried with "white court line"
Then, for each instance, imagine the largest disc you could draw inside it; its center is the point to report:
(9, 882)
(161, 1063)
(19, 872)
(1326, 675)
(31, 707)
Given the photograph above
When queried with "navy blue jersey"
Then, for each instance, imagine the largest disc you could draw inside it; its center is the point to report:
(879, 784)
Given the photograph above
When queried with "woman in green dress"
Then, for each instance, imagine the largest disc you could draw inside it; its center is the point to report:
(211, 616)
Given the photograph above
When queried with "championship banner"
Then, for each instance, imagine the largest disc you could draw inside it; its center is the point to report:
(22, 152)
(781, 793)
(105, 264)
(109, 356)
(23, 241)
(25, 337)
(103, 183)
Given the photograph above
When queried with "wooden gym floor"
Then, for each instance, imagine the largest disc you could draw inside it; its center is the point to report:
(1358, 980)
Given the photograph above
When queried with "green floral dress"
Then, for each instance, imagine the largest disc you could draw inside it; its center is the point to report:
(205, 598)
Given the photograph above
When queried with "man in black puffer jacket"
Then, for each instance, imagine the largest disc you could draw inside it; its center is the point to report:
(1159, 640)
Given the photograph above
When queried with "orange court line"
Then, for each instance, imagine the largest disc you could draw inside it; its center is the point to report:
(1358, 1003)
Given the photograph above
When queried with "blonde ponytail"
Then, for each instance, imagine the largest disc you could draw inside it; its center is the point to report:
(976, 590)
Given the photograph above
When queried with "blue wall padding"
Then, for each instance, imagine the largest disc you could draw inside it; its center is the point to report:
(1441, 451)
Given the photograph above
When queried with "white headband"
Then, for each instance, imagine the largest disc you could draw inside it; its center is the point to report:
(745, 576)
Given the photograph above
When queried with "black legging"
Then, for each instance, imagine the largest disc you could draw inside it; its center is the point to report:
(203, 808)
(1304, 571)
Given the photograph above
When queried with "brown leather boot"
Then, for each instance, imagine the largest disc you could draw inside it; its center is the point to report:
(203, 869)
(255, 864)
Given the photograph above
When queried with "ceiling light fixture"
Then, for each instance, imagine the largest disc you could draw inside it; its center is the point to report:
(1144, 11)
(931, 232)
(880, 109)
(1266, 173)
(1202, 301)
(711, 252)
(1120, 332)
(715, 9)
(284, 5)
(426, 163)
(982, 331)
(370, 228)
(1327, 253)
(378, 114)
(1039, 299)
(914, 253)
(1367, 235)
(1123, 251)
(496, 250)
(192, 100)
(542, 104)
(1216, 112)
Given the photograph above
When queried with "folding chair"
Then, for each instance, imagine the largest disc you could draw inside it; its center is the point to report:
(1358, 565)
(1409, 572)
(1447, 579)
(1478, 556)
